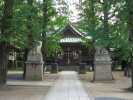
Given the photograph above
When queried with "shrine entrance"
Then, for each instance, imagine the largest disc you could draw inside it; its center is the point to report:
(71, 54)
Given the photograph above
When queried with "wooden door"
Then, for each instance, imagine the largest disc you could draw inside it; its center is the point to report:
(71, 56)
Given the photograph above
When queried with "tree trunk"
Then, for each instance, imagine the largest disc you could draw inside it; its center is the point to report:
(129, 4)
(132, 74)
(92, 13)
(106, 19)
(30, 37)
(29, 26)
(44, 36)
(25, 59)
(5, 34)
(3, 63)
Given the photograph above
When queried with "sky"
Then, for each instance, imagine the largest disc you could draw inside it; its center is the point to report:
(72, 8)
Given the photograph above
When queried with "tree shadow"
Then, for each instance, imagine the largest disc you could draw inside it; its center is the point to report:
(130, 89)
(108, 98)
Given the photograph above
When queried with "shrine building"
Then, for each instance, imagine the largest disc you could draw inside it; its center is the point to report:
(74, 49)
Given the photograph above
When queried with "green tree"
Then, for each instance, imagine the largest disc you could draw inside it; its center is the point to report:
(130, 31)
(46, 4)
(52, 21)
(27, 25)
(6, 32)
(114, 22)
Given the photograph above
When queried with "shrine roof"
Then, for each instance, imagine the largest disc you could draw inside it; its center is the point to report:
(74, 31)
(70, 40)
(72, 35)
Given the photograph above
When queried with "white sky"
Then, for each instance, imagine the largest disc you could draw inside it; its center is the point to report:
(72, 8)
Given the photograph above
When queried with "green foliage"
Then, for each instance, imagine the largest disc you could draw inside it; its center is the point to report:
(87, 42)
(53, 44)
(20, 23)
(1, 7)
(20, 27)
(88, 19)
(106, 21)
(120, 34)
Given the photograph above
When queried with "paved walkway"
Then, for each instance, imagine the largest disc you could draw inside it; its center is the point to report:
(68, 87)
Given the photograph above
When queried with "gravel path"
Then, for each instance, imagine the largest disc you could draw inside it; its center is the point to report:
(115, 90)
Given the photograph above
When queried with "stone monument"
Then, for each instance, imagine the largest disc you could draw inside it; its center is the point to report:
(34, 64)
(102, 70)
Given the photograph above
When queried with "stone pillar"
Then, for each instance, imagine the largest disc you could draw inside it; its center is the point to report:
(34, 64)
(102, 70)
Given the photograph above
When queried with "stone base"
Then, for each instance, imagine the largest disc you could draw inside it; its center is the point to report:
(103, 72)
(54, 68)
(82, 68)
(34, 71)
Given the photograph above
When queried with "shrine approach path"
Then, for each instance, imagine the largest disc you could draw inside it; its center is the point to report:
(68, 87)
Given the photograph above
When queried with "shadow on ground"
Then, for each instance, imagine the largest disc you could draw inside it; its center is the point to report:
(130, 89)
(108, 98)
